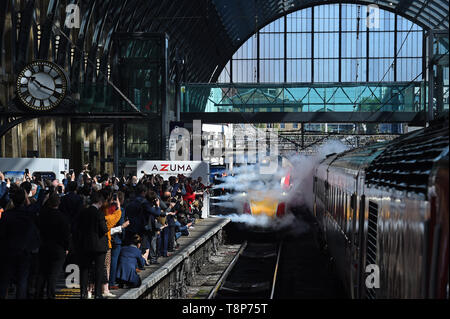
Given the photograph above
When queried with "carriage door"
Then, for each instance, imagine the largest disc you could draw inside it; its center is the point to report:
(355, 211)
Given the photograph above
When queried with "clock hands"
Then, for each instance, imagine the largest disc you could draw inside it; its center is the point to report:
(42, 85)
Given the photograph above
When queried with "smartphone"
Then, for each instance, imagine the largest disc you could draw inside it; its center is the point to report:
(115, 197)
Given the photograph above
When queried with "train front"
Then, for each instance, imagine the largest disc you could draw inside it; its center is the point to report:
(270, 202)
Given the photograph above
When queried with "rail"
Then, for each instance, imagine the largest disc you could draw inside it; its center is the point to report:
(260, 260)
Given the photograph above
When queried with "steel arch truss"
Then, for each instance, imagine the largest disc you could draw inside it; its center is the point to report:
(203, 34)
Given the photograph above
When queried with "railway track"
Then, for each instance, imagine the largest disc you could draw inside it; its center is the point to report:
(251, 274)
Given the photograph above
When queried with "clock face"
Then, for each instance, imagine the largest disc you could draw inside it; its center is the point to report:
(41, 85)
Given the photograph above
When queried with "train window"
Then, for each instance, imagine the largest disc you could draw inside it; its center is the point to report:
(335, 204)
(338, 204)
(333, 198)
(344, 215)
(353, 201)
(350, 213)
(343, 209)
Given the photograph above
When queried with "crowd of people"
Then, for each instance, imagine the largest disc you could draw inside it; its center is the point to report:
(110, 227)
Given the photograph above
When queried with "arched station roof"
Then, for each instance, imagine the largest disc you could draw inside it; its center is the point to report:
(203, 34)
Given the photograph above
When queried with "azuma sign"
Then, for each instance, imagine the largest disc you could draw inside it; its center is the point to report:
(166, 169)
(172, 168)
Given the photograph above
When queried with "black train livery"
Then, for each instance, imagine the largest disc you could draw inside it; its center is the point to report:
(384, 215)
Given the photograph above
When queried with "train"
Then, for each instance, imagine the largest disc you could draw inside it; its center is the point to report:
(383, 215)
(272, 203)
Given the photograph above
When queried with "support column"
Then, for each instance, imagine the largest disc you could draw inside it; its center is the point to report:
(26, 137)
(93, 148)
(110, 149)
(36, 135)
(66, 141)
(103, 151)
(42, 137)
(439, 89)
(77, 132)
(51, 140)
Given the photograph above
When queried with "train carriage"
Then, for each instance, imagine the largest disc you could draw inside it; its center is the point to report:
(386, 205)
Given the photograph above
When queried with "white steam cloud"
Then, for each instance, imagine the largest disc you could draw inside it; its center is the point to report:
(246, 184)
(302, 174)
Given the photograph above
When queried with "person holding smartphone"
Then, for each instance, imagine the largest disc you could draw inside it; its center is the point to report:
(117, 234)
(112, 213)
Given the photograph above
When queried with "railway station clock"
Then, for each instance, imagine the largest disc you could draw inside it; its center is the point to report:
(42, 85)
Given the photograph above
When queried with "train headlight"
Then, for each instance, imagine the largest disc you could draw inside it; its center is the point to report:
(244, 194)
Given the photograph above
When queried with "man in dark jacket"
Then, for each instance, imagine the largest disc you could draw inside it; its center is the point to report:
(141, 214)
(55, 237)
(18, 235)
(71, 206)
(92, 243)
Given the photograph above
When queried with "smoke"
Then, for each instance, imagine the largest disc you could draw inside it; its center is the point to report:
(250, 220)
(247, 185)
(288, 223)
(302, 174)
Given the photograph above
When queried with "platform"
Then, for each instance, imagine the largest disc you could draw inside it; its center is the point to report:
(205, 231)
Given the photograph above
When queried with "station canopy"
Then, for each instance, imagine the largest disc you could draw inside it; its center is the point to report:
(211, 31)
